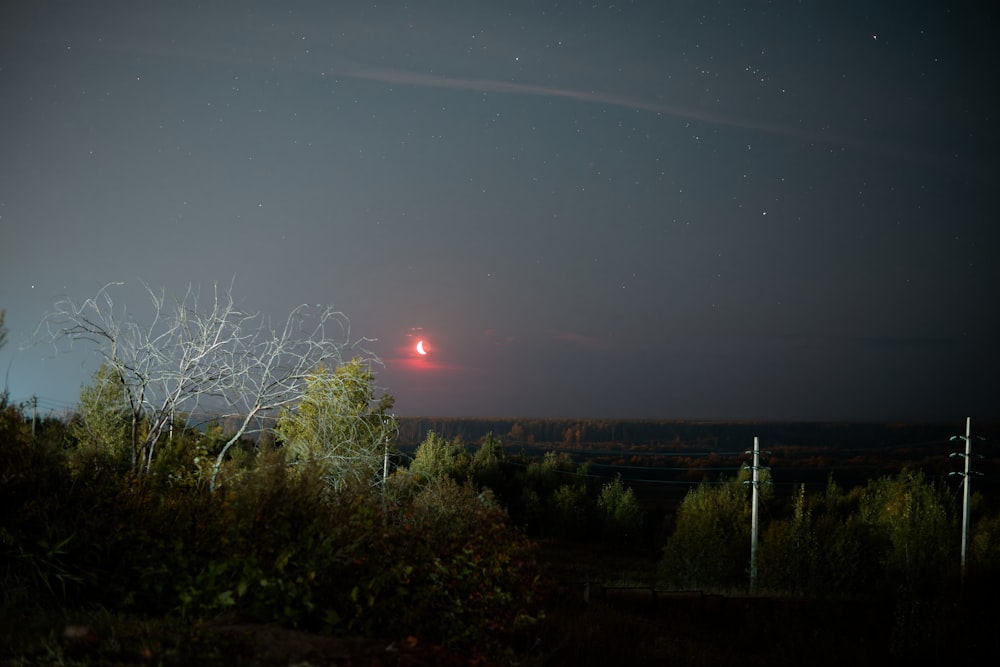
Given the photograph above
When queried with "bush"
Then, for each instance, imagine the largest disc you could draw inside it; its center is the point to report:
(452, 570)
(38, 533)
(430, 558)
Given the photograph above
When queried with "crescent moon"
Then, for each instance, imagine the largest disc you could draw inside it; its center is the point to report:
(420, 347)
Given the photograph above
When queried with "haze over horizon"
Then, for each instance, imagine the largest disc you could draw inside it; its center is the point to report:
(617, 210)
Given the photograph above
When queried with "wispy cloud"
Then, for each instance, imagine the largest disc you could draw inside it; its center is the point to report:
(403, 77)
(870, 145)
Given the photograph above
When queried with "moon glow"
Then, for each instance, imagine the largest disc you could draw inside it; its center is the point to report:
(420, 347)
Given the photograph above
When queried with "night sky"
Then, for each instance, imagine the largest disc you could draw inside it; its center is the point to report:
(689, 210)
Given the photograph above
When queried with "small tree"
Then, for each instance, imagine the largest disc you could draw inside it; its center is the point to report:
(913, 515)
(102, 423)
(619, 511)
(490, 454)
(338, 425)
(486, 464)
(709, 544)
(569, 510)
(544, 476)
(436, 457)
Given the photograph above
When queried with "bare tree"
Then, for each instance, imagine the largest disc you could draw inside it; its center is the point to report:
(267, 369)
(189, 356)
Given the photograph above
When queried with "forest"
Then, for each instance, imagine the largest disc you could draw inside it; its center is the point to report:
(132, 533)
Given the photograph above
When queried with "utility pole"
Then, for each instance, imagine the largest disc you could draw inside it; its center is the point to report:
(385, 460)
(385, 463)
(965, 475)
(34, 414)
(754, 523)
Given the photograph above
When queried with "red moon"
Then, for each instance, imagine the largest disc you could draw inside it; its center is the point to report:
(420, 347)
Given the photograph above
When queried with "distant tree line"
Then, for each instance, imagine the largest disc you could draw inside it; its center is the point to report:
(671, 434)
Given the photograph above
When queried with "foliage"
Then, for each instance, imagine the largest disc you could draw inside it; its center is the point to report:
(101, 425)
(275, 545)
(710, 545)
(339, 426)
(619, 512)
(468, 578)
(432, 555)
(914, 516)
(490, 454)
(552, 496)
(820, 550)
(568, 510)
(984, 543)
(437, 457)
(545, 475)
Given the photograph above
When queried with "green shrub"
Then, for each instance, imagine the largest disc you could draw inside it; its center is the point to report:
(449, 569)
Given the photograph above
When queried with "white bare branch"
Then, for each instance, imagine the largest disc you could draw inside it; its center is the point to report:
(190, 354)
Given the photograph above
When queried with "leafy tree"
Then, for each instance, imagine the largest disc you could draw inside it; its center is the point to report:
(913, 515)
(545, 475)
(339, 425)
(569, 510)
(487, 462)
(555, 496)
(437, 457)
(789, 552)
(984, 543)
(619, 511)
(710, 545)
(490, 454)
(102, 423)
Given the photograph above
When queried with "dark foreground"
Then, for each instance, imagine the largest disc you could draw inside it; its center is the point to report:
(682, 629)
(603, 610)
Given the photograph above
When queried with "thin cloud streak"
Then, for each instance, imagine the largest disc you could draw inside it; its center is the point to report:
(870, 146)
(402, 77)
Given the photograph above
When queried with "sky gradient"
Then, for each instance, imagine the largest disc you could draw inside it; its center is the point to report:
(648, 210)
